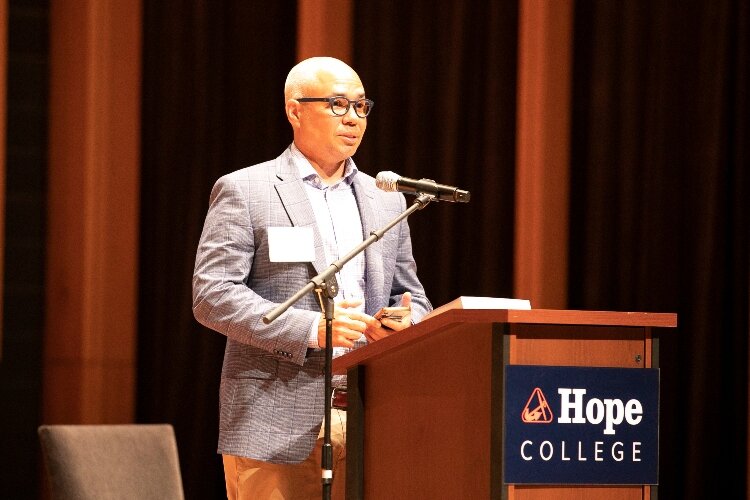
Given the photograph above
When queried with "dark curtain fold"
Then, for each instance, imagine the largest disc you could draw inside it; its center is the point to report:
(213, 78)
(659, 212)
(444, 84)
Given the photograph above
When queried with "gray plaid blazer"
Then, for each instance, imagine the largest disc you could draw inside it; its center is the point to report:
(271, 397)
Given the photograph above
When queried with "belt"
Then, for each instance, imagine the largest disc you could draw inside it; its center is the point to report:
(338, 398)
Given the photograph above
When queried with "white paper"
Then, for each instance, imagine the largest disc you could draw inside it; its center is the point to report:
(494, 303)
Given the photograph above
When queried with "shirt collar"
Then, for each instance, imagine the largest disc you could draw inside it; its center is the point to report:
(308, 174)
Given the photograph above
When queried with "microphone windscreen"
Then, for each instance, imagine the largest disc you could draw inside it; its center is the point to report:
(387, 181)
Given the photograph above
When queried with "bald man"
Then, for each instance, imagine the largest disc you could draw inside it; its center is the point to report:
(270, 228)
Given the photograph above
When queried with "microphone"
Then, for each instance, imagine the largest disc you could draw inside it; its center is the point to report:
(390, 181)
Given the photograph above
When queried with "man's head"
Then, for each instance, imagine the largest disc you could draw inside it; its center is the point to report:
(325, 138)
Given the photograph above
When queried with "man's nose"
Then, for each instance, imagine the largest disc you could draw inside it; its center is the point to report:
(351, 115)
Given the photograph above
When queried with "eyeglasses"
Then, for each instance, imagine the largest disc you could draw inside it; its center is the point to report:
(340, 105)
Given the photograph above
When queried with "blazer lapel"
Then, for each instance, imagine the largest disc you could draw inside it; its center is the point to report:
(370, 217)
(292, 194)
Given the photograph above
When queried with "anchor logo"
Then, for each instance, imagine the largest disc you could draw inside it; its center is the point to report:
(537, 410)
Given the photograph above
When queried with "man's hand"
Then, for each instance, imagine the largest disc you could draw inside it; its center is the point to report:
(349, 324)
(391, 325)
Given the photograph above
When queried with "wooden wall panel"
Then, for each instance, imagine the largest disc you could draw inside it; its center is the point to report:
(93, 192)
(543, 152)
(324, 28)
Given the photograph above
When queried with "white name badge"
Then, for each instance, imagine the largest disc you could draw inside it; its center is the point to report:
(291, 244)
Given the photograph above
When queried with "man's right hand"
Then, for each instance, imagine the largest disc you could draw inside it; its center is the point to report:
(349, 324)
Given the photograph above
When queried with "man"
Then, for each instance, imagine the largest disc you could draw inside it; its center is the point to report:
(272, 383)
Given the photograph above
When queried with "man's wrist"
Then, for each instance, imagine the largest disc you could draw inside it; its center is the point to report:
(312, 339)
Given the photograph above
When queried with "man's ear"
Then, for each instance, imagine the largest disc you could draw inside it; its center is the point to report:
(292, 112)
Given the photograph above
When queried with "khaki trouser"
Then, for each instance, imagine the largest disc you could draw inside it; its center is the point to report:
(253, 479)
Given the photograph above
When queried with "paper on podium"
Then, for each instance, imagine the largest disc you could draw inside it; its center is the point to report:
(465, 302)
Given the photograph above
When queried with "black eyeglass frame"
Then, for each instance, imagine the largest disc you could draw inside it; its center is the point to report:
(349, 103)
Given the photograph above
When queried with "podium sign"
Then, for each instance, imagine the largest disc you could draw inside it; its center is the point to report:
(581, 425)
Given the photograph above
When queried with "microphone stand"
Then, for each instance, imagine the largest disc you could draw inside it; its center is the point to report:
(326, 288)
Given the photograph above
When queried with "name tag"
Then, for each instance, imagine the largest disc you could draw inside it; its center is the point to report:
(291, 244)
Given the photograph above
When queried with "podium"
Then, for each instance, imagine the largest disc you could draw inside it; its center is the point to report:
(425, 405)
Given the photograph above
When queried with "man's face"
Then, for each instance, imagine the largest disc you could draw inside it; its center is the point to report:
(323, 137)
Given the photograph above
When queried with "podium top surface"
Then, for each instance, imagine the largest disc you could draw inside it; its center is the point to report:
(452, 313)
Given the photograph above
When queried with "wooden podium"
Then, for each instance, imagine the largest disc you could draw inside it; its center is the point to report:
(425, 405)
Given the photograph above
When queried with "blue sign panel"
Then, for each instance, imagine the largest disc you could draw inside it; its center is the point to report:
(571, 425)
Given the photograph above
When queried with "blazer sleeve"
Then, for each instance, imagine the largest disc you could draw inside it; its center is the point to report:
(222, 300)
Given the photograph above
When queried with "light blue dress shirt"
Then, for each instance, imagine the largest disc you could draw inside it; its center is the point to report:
(340, 227)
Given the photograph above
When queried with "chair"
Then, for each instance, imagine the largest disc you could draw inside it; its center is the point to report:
(137, 461)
